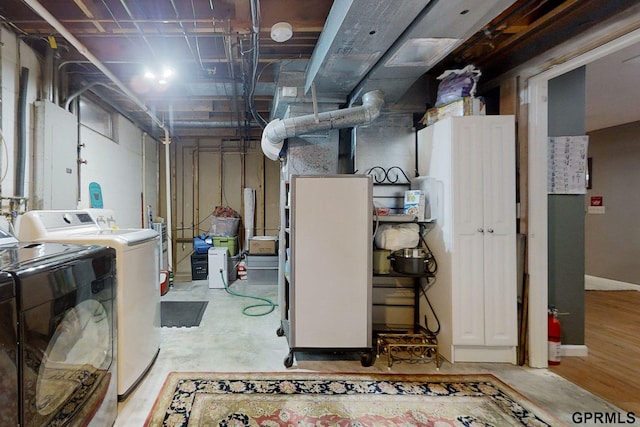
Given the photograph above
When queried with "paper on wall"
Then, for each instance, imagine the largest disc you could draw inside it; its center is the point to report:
(567, 164)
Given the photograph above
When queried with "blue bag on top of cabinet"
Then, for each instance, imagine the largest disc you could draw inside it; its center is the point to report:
(202, 243)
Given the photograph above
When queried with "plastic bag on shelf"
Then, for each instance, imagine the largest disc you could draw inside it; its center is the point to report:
(397, 236)
(456, 84)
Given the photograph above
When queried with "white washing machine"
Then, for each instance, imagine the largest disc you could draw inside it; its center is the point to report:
(103, 217)
(138, 277)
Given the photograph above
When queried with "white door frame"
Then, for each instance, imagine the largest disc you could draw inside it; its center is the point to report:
(538, 226)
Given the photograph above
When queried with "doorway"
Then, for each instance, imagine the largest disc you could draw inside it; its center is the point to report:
(538, 206)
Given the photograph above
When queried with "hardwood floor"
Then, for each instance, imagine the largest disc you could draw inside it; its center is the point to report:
(612, 334)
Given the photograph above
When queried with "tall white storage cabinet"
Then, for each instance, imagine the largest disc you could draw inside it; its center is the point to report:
(474, 239)
(329, 285)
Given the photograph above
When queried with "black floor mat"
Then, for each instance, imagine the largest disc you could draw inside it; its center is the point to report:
(181, 314)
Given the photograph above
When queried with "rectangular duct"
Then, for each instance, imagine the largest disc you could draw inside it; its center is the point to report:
(388, 46)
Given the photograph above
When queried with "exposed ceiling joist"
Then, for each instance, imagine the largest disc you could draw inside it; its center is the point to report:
(210, 45)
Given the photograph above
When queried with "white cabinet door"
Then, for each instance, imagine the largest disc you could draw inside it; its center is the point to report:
(467, 193)
(474, 239)
(500, 281)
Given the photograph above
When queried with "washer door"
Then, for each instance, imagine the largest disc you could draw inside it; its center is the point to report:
(75, 359)
(68, 347)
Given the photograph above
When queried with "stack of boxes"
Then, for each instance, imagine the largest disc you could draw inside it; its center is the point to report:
(223, 233)
(262, 261)
(199, 261)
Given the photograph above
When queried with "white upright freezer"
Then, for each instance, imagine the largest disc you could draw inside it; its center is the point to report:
(329, 283)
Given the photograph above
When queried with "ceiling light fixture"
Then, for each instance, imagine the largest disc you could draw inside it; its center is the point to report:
(281, 32)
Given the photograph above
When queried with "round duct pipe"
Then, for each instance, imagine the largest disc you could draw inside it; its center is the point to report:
(277, 130)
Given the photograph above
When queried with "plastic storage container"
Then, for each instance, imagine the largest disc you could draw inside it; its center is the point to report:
(230, 243)
(199, 266)
(262, 270)
(222, 226)
(232, 268)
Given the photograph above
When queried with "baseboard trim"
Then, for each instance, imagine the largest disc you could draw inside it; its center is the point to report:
(569, 350)
(594, 283)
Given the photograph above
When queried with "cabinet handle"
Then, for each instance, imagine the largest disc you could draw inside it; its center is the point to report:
(480, 230)
(490, 230)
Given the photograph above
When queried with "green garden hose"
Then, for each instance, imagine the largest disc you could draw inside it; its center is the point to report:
(267, 302)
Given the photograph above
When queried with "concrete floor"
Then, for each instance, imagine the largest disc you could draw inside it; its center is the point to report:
(228, 341)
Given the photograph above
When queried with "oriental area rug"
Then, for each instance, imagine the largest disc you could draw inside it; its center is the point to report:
(313, 399)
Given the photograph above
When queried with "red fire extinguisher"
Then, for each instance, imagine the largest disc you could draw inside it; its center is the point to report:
(555, 330)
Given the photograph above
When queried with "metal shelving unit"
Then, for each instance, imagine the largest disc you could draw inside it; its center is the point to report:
(394, 182)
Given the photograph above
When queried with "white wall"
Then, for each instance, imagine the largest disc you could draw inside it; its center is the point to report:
(14, 54)
(611, 237)
(126, 169)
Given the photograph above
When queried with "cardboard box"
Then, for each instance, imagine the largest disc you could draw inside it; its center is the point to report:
(467, 106)
(263, 245)
(414, 203)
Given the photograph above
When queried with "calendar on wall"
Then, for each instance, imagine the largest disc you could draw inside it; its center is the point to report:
(567, 164)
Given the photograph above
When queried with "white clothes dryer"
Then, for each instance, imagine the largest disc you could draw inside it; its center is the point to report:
(138, 282)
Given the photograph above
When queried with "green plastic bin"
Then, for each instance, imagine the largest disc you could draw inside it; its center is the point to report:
(230, 243)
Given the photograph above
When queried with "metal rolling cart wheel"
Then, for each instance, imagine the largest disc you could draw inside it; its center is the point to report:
(288, 361)
(280, 331)
(366, 358)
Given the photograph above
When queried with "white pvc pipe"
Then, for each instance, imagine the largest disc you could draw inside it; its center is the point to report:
(249, 215)
(143, 149)
(167, 172)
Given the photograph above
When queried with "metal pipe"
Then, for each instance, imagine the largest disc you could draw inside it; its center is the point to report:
(195, 191)
(22, 132)
(79, 92)
(48, 75)
(233, 78)
(144, 173)
(184, 32)
(135, 24)
(277, 130)
(79, 160)
(201, 124)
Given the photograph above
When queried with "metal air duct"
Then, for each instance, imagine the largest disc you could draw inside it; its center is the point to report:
(277, 130)
(389, 45)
